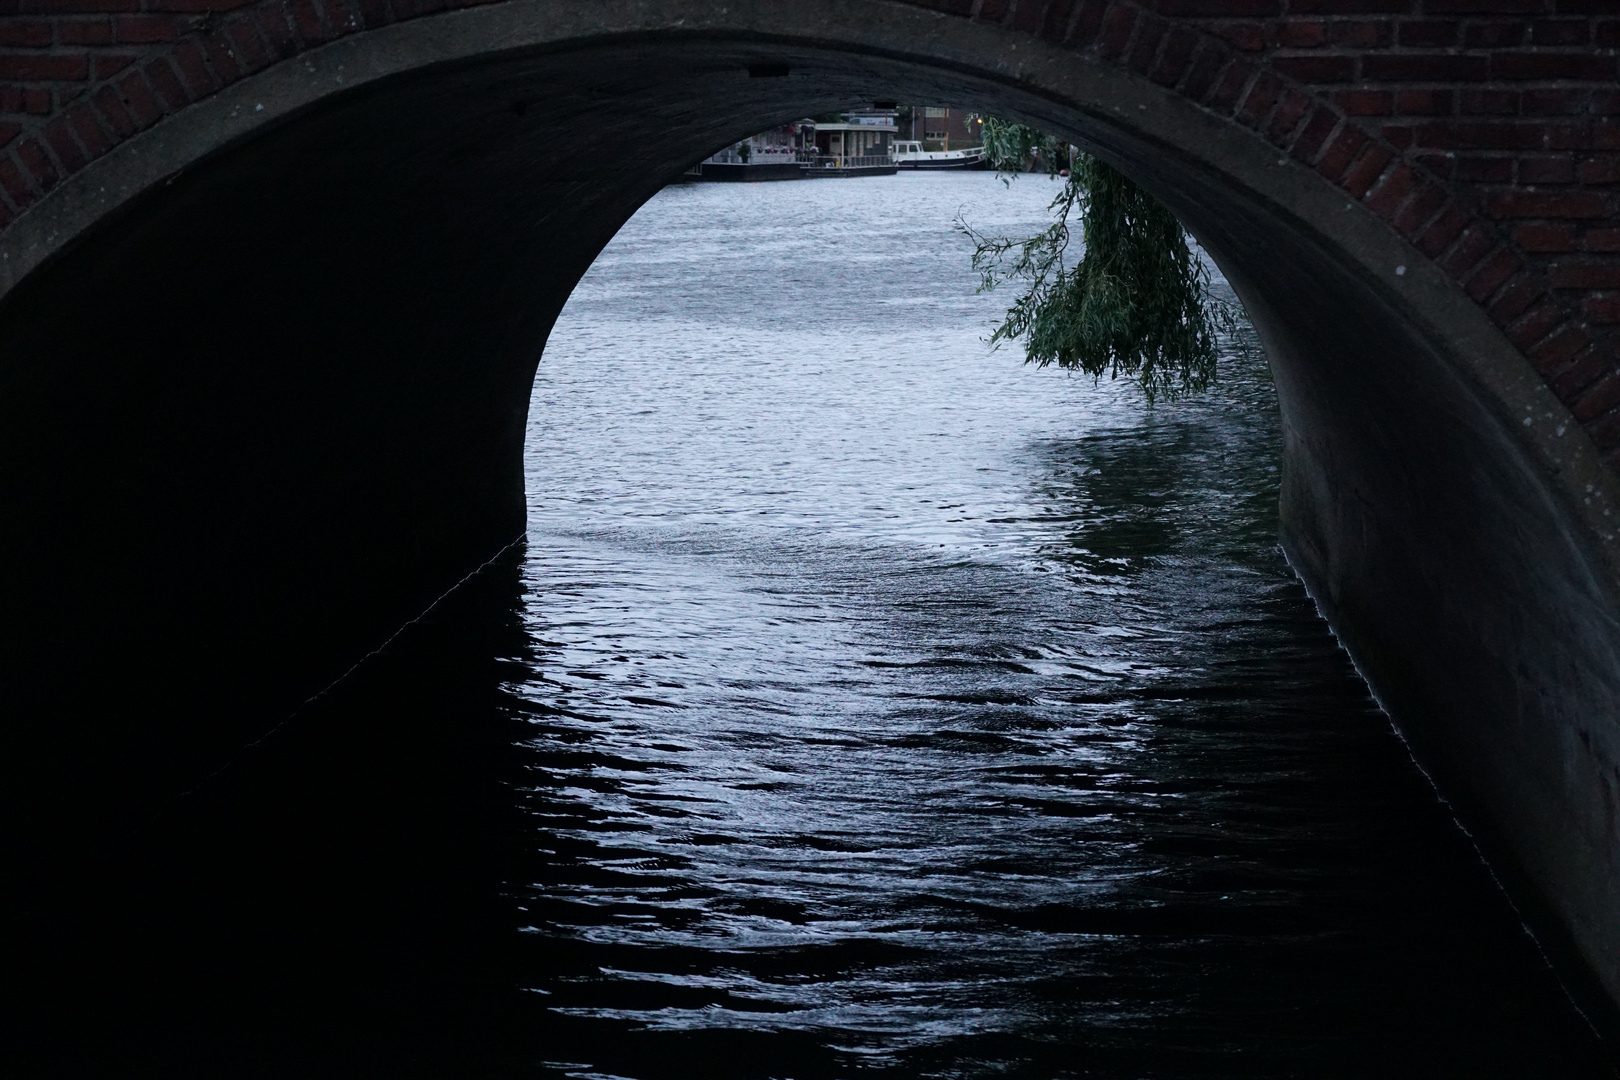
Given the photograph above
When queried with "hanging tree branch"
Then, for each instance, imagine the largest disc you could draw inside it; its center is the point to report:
(1135, 302)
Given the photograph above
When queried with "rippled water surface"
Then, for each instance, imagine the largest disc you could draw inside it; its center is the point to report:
(863, 704)
(900, 709)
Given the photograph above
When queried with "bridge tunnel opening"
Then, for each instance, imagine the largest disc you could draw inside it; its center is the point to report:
(267, 412)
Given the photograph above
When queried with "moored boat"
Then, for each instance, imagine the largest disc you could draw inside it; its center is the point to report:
(911, 155)
(777, 154)
(857, 143)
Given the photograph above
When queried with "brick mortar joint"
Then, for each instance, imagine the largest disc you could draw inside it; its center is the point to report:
(204, 30)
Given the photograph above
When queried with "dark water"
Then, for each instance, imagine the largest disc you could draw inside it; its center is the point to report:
(900, 709)
(863, 704)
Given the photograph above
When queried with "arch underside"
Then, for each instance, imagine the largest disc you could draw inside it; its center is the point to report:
(263, 415)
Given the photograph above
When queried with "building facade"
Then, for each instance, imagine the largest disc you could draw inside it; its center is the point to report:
(941, 127)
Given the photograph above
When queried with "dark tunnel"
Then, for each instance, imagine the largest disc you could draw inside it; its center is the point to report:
(270, 409)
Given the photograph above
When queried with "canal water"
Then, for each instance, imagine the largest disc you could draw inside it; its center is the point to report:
(863, 703)
(901, 709)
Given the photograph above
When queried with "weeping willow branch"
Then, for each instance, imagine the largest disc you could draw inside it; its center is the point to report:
(1012, 147)
(1134, 303)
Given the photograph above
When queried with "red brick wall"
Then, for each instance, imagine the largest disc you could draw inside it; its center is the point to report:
(1487, 132)
(959, 130)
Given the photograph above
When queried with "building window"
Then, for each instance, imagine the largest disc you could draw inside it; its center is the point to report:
(935, 110)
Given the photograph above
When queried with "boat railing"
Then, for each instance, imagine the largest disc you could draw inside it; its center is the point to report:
(849, 161)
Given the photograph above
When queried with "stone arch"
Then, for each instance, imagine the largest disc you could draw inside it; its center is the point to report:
(266, 366)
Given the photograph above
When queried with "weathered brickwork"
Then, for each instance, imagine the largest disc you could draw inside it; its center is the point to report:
(1487, 132)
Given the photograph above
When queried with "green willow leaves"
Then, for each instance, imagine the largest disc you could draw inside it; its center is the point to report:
(1136, 302)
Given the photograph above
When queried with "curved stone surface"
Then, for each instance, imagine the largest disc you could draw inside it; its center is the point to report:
(264, 370)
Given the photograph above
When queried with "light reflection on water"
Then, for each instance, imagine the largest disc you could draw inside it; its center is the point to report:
(895, 707)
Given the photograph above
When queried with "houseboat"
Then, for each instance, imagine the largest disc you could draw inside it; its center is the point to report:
(777, 154)
(858, 143)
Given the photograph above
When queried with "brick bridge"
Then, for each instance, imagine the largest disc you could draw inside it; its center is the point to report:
(1485, 132)
(276, 275)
